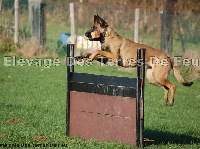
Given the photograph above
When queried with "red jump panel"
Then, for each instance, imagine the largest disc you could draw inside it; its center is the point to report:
(114, 120)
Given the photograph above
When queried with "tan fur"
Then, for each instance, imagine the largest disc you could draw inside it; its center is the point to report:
(120, 47)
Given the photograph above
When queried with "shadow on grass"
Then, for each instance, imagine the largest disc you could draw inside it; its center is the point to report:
(166, 137)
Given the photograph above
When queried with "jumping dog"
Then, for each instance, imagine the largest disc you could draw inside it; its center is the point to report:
(117, 47)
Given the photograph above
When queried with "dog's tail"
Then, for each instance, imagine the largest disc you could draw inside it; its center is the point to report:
(179, 77)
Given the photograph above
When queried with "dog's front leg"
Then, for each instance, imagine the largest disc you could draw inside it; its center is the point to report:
(86, 55)
(108, 55)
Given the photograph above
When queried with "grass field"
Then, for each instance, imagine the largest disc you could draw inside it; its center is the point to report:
(33, 107)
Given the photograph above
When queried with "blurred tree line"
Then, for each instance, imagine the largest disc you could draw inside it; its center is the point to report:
(9, 4)
(181, 6)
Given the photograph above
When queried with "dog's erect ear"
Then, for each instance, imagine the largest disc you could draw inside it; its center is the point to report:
(96, 18)
(100, 21)
(103, 23)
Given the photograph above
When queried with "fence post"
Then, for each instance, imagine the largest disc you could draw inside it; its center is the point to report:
(43, 24)
(16, 35)
(0, 4)
(71, 7)
(167, 26)
(37, 20)
(72, 22)
(179, 32)
(136, 26)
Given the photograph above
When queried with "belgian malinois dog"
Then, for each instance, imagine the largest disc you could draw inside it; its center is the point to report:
(117, 47)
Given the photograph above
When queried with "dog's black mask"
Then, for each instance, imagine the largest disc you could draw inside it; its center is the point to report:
(88, 34)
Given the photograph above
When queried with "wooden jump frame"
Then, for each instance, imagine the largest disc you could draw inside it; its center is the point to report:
(105, 108)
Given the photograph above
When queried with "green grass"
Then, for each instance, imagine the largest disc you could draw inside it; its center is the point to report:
(36, 98)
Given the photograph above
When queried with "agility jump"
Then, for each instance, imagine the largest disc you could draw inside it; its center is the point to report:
(105, 108)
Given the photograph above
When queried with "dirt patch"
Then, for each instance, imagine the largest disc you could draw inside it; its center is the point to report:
(38, 137)
(2, 134)
(13, 120)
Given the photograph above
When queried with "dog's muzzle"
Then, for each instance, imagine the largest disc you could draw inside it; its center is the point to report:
(93, 35)
(88, 35)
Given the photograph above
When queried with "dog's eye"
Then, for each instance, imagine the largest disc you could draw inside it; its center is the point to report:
(101, 25)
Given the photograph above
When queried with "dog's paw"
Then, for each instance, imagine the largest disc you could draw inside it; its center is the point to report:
(78, 57)
(89, 60)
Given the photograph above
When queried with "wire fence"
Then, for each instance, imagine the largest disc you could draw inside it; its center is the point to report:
(7, 19)
(185, 28)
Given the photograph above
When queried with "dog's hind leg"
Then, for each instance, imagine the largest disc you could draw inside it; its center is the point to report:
(169, 86)
(152, 80)
(160, 73)
(166, 91)
(172, 90)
